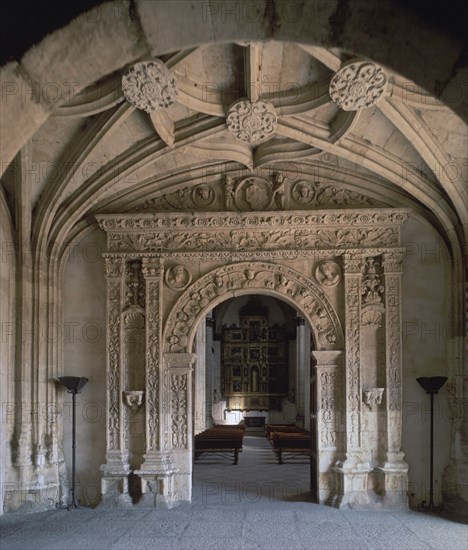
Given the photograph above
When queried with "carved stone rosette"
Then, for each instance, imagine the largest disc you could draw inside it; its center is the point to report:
(358, 86)
(149, 86)
(252, 122)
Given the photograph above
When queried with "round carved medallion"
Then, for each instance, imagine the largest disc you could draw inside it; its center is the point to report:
(328, 273)
(178, 277)
(254, 193)
(357, 86)
(251, 122)
(303, 192)
(149, 86)
(203, 195)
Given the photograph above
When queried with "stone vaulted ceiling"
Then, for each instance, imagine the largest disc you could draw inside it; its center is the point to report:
(355, 131)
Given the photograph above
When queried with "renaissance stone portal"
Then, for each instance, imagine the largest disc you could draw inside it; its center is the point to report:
(340, 270)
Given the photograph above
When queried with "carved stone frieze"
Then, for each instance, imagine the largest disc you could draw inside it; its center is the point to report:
(357, 86)
(149, 86)
(275, 191)
(320, 195)
(297, 288)
(251, 122)
(250, 231)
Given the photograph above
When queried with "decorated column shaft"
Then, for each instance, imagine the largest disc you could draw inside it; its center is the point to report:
(394, 468)
(178, 369)
(157, 469)
(352, 472)
(329, 414)
(116, 468)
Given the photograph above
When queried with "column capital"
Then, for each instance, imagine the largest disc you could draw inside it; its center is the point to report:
(179, 360)
(114, 267)
(352, 263)
(300, 321)
(393, 260)
(152, 268)
(327, 358)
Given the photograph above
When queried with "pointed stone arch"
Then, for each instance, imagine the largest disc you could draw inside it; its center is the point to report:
(243, 278)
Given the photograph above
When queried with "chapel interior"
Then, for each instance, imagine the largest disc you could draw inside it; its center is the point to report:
(234, 218)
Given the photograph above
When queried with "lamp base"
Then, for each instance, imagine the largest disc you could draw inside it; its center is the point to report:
(431, 507)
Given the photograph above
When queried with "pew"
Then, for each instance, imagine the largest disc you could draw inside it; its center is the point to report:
(220, 440)
(290, 443)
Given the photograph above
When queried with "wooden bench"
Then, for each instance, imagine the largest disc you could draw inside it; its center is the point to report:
(290, 443)
(220, 440)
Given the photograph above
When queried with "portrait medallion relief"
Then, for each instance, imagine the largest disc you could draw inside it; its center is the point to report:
(303, 192)
(178, 277)
(328, 273)
(203, 195)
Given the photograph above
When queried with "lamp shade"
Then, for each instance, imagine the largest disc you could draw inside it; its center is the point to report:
(432, 384)
(73, 383)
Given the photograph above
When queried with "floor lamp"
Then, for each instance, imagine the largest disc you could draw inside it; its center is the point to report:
(74, 384)
(431, 386)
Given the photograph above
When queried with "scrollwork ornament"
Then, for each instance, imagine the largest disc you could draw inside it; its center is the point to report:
(252, 122)
(149, 86)
(357, 86)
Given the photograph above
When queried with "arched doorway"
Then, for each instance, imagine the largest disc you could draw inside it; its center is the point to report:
(252, 371)
(186, 273)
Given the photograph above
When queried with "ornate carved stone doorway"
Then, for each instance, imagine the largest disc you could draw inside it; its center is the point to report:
(336, 268)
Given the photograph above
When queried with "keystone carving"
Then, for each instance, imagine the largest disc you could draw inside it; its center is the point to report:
(357, 86)
(149, 86)
(252, 122)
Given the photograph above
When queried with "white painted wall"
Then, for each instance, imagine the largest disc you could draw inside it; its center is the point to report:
(426, 330)
(84, 355)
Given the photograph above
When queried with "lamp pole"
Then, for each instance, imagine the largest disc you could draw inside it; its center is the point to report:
(74, 384)
(431, 386)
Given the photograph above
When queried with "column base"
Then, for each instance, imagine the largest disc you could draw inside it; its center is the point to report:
(157, 481)
(393, 476)
(351, 484)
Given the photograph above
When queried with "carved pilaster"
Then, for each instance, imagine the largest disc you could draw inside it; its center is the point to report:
(116, 468)
(394, 468)
(157, 470)
(352, 472)
(329, 419)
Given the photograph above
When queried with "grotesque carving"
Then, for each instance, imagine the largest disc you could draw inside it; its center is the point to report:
(133, 399)
(149, 86)
(373, 397)
(358, 86)
(251, 122)
(203, 195)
